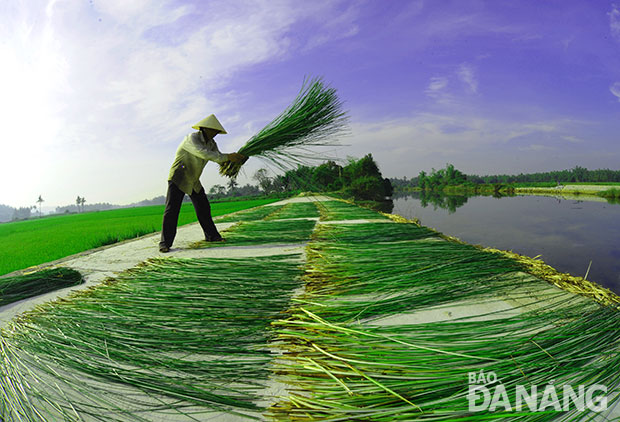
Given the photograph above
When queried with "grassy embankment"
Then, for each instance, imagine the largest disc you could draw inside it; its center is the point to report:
(553, 184)
(613, 193)
(601, 189)
(32, 242)
(608, 191)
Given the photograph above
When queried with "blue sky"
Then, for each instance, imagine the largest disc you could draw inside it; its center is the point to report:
(96, 95)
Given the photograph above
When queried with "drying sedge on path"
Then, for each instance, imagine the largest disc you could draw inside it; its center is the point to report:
(192, 155)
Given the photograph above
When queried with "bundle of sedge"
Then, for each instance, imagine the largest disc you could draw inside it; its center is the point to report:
(313, 119)
(31, 284)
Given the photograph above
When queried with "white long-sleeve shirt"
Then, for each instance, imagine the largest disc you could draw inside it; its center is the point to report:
(191, 157)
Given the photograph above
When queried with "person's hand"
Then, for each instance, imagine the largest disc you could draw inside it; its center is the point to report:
(235, 157)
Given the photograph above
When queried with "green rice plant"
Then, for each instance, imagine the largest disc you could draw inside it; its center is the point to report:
(36, 241)
(172, 338)
(252, 214)
(340, 210)
(19, 287)
(314, 118)
(347, 355)
(295, 210)
(125, 235)
(249, 233)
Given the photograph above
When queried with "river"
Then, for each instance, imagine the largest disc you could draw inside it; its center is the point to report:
(567, 234)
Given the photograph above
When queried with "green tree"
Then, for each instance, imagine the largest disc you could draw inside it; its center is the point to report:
(279, 183)
(328, 176)
(422, 180)
(232, 185)
(580, 174)
(263, 180)
(300, 178)
(363, 180)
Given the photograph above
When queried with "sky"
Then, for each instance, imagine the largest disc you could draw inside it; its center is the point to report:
(95, 96)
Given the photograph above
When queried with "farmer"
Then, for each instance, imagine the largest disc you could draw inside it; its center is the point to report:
(191, 157)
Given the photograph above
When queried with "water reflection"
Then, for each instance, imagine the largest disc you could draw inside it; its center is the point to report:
(448, 202)
(386, 206)
(439, 200)
(568, 234)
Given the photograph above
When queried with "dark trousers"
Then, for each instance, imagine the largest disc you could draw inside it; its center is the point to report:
(174, 200)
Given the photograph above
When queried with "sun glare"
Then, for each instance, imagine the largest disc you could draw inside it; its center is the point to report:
(29, 77)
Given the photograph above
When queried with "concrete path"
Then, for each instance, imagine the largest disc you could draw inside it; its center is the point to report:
(107, 262)
(110, 260)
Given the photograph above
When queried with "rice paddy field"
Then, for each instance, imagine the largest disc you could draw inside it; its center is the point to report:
(32, 242)
(315, 310)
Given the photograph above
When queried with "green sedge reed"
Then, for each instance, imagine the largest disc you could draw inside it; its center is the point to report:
(19, 287)
(394, 317)
(391, 319)
(314, 118)
(341, 210)
(248, 233)
(252, 214)
(295, 210)
(171, 337)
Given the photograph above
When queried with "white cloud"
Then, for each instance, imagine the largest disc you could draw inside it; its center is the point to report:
(437, 89)
(120, 81)
(407, 145)
(436, 85)
(549, 126)
(467, 75)
(342, 25)
(572, 139)
(614, 22)
(615, 89)
(143, 81)
(536, 148)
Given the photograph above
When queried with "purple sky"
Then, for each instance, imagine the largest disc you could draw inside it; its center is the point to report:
(97, 95)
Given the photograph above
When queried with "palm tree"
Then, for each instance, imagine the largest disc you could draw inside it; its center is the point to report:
(40, 201)
(78, 201)
(83, 201)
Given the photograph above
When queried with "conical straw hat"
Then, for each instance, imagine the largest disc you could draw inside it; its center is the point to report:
(210, 122)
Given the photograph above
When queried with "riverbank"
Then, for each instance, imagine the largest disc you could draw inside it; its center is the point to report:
(586, 192)
(573, 235)
(312, 309)
(589, 192)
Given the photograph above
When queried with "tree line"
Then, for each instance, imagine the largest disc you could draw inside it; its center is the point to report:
(450, 176)
(576, 174)
(359, 179)
(22, 213)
